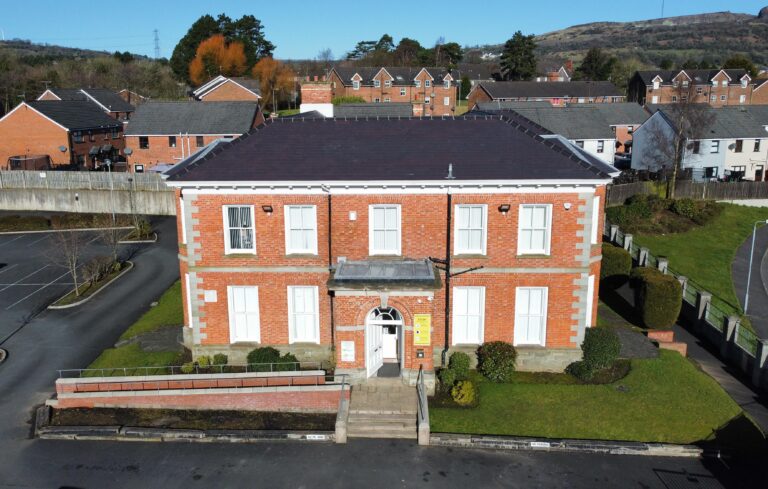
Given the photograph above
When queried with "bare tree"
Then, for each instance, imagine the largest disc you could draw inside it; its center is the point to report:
(109, 234)
(68, 247)
(689, 120)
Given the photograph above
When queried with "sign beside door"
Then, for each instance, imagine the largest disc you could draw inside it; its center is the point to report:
(422, 329)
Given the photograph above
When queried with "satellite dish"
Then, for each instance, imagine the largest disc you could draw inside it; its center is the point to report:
(732, 146)
(63, 149)
(128, 151)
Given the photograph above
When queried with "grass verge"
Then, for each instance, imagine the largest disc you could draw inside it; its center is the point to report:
(167, 312)
(91, 288)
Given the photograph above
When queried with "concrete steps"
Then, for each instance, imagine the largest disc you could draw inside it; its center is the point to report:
(381, 425)
(382, 408)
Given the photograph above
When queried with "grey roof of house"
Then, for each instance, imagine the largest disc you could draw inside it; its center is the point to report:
(312, 114)
(105, 97)
(482, 71)
(513, 89)
(192, 117)
(386, 109)
(579, 121)
(248, 83)
(382, 273)
(507, 147)
(735, 122)
(75, 114)
(498, 105)
(699, 77)
(403, 75)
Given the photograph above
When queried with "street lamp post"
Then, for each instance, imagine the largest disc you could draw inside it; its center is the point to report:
(108, 162)
(751, 256)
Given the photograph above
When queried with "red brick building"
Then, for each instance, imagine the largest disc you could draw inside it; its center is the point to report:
(86, 134)
(169, 132)
(717, 88)
(430, 91)
(224, 89)
(557, 94)
(110, 102)
(331, 240)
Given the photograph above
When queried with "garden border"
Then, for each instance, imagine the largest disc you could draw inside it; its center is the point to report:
(54, 307)
(40, 231)
(141, 241)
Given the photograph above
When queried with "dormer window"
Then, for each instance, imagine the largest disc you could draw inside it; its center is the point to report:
(427, 83)
(656, 84)
(714, 83)
(377, 83)
(685, 83)
(744, 82)
(417, 83)
(725, 83)
(387, 83)
(447, 84)
(355, 85)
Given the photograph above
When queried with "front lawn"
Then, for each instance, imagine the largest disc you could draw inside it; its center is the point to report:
(666, 399)
(167, 312)
(113, 360)
(704, 254)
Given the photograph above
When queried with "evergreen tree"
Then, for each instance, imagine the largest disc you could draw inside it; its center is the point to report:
(518, 61)
(184, 52)
(597, 65)
(741, 61)
(466, 86)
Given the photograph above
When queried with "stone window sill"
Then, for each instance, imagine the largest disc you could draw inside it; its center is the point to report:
(526, 257)
(302, 255)
(468, 256)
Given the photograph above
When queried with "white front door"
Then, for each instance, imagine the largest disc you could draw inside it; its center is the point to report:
(374, 348)
(390, 342)
(530, 316)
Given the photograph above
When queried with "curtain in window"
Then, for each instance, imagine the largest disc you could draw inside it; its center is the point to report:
(240, 228)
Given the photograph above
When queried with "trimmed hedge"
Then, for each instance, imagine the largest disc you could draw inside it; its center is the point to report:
(658, 297)
(601, 347)
(268, 354)
(459, 363)
(616, 264)
(496, 360)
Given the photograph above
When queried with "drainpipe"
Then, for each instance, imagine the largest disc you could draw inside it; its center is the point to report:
(444, 353)
(330, 260)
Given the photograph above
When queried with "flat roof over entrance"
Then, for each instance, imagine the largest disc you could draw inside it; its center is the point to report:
(385, 275)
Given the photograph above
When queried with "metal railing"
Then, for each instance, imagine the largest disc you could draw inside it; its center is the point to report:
(746, 340)
(184, 369)
(421, 392)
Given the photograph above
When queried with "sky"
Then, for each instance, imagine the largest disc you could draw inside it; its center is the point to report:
(301, 28)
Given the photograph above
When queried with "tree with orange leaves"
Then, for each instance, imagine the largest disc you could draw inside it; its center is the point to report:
(215, 56)
(277, 80)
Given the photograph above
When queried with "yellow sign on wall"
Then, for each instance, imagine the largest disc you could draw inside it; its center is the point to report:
(422, 329)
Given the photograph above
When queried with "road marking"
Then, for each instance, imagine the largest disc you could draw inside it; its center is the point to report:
(2, 270)
(11, 241)
(38, 290)
(22, 278)
(38, 284)
(38, 240)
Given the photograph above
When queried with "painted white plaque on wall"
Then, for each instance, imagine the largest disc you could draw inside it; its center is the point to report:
(210, 296)
(347, 351)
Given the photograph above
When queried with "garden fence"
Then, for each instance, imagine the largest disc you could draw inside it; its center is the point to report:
(711, 317)
(618, 194)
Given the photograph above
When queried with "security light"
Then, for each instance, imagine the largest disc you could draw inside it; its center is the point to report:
(267, 209)
(504, 208)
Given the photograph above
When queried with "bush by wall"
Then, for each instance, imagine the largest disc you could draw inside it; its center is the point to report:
(496, 360)
(616, 265)
(464, 393)
(348, 99)
(459, 363)
(601, 347)
(658, 297)
(268, 354)
(447, 378)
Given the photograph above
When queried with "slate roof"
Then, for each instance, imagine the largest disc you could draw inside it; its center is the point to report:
(75, 114)
(515, 89)
(377, 274)
(386, 109)
(507, 147)
(403, 75)
(192, 117)
(731, 122)
(312, 114)
(248, 83)
(699, 77)
(105, 97)
(498, 105)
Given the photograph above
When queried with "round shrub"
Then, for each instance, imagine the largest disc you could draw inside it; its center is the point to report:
(496, 360)
(188, 368)
(220, 359)
(658, 298)
(287, 362)
(464, 393)
(204, 361)
(265, 354)
(601, 348)
(447, 378)
(616, 265)
(580, 370)
(459, 364)
(685, 208)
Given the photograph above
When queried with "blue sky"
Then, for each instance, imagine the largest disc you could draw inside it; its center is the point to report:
(301, 28)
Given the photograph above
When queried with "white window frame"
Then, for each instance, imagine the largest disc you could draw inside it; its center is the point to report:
(656, 85)
(742, 99)
(417, 83)
(228, 250)
(377, 83)
(183, 219)
(189, 299)
(601, 146)
(446, 101)
(457, 292)
(371, 250)
(543, 314)
(457, 230)
(312, 249)
(291, 315)
(402, 92)
(387, 83)
(387, 100)
(655, 99)
(447, 84)
(427, 100)
(548, 238)
(590, 300)
(595, 218)
(230, 310)
(355, 85)
(376, 100)
(714, 146)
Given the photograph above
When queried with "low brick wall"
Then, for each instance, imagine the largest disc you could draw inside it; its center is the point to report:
(269, 391)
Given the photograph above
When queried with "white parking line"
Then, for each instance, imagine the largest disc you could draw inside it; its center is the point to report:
(2, 270)
(38, 240)
(38, 290)
(12, 240)
(38, 284)
(22, 278)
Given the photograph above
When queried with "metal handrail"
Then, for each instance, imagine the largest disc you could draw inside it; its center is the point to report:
(177, 369)
(421, 392)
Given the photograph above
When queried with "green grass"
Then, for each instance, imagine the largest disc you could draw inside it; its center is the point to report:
(168, 312)
(668, 400)
(130, 356)
(287, 112)
(705, 254)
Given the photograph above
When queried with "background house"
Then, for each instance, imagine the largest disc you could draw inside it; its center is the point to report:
(76, 133)
(229, 89)
(557, 94)
(168, 132)
(715, 87)
(110, 102)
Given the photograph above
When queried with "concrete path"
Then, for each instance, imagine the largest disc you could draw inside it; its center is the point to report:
(730, 380)
(758, 290)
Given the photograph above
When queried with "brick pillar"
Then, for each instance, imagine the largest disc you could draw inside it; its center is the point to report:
(642, 259)
(628, 242)
(702, 301)
(613, 233)
(761, 362)
(683, 283)
(730, 325)
(663, 265)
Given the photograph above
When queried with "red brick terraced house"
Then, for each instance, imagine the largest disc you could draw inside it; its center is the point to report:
(110, 102)
(58, 133)
(557, 94)
(331, 239)
(717, 88)
(224, 89)
(169, 132)
(430, 91)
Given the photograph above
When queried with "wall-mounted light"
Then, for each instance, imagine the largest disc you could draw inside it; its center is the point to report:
(567, 206)
(267, 209)
(504, 208)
